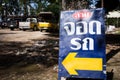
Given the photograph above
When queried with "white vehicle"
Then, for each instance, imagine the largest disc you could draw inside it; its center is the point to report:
(27, 25)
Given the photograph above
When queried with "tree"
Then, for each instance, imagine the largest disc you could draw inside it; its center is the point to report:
(74, 4)
(109, 5)
(54, 7)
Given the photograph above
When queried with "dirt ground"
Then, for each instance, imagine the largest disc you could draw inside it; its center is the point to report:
(28, 55)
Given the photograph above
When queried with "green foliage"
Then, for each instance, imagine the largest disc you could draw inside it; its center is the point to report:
(55, 8)
(75, 4)
(113, 21)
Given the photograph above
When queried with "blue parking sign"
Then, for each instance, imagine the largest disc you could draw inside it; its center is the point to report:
(82, 44)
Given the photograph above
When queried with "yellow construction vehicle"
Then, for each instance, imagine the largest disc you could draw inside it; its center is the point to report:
(47, 22)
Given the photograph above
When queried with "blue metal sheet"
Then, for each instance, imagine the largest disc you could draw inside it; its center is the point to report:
(83, 32)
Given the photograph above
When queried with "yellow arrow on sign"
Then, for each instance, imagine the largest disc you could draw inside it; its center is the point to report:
(73, 63)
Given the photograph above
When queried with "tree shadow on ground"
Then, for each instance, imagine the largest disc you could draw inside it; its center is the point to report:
(9, 60)
(113, 40)
(53, 34)
(6, 33)
(44, 52)
(112, 53)
(8, 51)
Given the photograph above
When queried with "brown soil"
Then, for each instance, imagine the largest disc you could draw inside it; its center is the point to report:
(28, 55)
